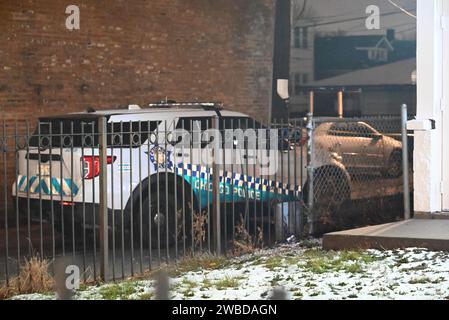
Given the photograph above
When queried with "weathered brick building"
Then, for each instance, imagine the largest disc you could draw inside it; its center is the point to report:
(134, 51)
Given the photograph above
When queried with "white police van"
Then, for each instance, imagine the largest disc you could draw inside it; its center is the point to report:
(154, 172)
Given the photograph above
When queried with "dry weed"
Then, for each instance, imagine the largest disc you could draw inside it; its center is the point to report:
(34, 277)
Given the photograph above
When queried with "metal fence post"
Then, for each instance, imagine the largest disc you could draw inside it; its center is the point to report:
(103, 214)
(279, 222)
(310, 173)
(405, 168)
(216, 190)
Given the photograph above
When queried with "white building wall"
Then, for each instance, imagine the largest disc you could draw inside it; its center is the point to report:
(428, 144)
(445, 104)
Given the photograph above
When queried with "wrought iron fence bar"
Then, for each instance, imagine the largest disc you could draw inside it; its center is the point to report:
(310, 172)
(103, 214)
(216, 192)
(405, 167)
(5, 199)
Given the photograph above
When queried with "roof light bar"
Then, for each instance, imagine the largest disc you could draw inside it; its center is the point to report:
(211, 105)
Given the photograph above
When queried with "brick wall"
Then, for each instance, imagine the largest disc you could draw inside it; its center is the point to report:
(133, 51)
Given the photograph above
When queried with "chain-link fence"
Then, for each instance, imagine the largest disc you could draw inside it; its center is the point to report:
(364, 183)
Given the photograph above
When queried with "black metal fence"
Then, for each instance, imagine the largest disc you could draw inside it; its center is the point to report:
(122, 198)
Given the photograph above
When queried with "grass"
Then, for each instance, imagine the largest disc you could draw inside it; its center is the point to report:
(188, 293)
(146, 296)
(188, 287)
(195, 264)
(275, 281)
(420, 267)
(424, 280)
(402, 260)
(189, 284)
(307, 243)
(227, 282)
(353, 268)
(358, 256)
(256, 261)
(310, 285)
(244, 242)
(34, 277)
(118, 291)
(274, 262)
(297, 294)
(199, 227)
(207, 284)
(319, 261)
(438, 280)
(420, 280)
(393, 286)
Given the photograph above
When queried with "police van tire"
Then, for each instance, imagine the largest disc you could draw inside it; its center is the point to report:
(158, 219)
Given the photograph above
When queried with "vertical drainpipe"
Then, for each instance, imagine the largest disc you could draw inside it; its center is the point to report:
(281, 56)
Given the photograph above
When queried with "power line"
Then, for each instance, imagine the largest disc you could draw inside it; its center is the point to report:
(402, 9)
(413, 25)
(348, 20)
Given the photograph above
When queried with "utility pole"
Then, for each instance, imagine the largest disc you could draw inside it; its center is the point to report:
(281, 57)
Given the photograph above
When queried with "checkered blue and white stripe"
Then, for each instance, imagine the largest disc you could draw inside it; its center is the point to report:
(238, 180)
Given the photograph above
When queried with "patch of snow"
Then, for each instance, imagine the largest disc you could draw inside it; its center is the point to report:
(399, 274)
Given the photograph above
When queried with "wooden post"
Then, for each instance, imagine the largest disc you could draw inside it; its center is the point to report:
(340, 104)
(312, 102)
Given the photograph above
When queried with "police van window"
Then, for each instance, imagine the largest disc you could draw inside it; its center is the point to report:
(240, 123)
(130, 134)
(195, 124)
(63, 132)
(204, 123)
(83, 132)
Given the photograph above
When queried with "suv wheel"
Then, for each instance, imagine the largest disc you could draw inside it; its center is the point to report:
(394, 165)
